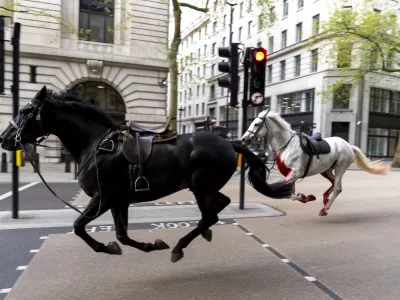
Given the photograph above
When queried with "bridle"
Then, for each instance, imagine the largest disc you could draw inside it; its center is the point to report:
(38, 110)
(18, 138)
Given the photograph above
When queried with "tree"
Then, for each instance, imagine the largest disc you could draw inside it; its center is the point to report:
(173, 54)
(361, 42)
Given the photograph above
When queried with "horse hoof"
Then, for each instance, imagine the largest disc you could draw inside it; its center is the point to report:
(176, 256)
(207, 235)
(323, 213)
(160, 245)
(113, 248)
(311, 198)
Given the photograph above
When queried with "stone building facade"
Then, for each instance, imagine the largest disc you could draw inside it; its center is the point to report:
(112, 53)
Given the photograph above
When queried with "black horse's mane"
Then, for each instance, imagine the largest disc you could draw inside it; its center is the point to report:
(76, 104)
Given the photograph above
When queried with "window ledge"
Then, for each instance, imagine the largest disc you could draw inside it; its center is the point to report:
(341, 110)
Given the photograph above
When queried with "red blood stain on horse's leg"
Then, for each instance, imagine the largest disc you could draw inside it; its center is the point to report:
(328, 191)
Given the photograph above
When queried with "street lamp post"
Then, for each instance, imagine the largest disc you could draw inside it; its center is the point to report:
(232, 4)
(181, 109)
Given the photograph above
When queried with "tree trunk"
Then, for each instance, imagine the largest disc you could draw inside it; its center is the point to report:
(173, 64)
(396, 159)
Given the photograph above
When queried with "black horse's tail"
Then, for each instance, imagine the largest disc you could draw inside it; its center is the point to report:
(257, 176)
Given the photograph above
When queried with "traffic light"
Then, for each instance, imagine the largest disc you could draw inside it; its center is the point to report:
(231, 79)
(258, 61)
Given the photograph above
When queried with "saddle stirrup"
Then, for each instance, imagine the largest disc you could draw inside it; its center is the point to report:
(140, 177)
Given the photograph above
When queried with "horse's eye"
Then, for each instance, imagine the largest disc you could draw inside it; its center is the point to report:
(256, 125)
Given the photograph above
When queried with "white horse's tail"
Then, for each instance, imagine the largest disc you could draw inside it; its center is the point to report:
(365, 164)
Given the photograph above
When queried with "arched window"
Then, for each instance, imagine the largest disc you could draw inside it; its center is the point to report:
(96, 21)
(103, 96)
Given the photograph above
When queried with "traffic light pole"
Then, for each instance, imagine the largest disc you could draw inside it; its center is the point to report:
(15, 91)
(246, 66)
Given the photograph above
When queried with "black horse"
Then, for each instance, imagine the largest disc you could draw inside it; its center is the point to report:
(202, 162)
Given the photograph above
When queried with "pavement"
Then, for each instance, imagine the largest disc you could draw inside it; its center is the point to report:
(349, 254)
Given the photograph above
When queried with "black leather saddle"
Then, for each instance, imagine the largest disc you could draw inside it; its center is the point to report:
(314, 145)
(137, 149)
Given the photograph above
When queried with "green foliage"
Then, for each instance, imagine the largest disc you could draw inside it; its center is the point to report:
(359, 41)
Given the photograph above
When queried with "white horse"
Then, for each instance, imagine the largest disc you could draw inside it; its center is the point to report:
(294, 163)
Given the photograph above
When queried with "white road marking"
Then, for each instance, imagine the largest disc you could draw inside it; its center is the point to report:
(8, 194)
(285, 260)
(236, 224)
(265, 245)
(34, 251)
(21, 268)
(309, 278)
(249, 233)
(43, 237)
(5, 291)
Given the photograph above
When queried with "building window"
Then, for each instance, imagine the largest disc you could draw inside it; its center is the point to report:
(96, 21)
(283, 69)
(198, 91)
(190, 111)
(214, 27)
(202, 109)
(197, 109)
(302, 101)
(233, 114)
(204, 70)
(213, 49)
(32, 74)
(212, 92)
(224, 22)
(284, 39)
(341, 97)
(314, 60)
(203, 89)
(299, 32)
(260, 22)
(241, 10)
(211, 112)
(213, 70)
(180, 97)
(223, 41)
(269, 73)
(384, 101)
(344, 55)
(315, 24)
(300, 3)
(285, 8)
(205, 50)
(271, 44)
(272, 15)
(382, 142)
(198, 53)
(240, 34)
(297, 60)
(249, 28)
(259, 44)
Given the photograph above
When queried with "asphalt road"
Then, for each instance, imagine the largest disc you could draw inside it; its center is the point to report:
(18, 246)
(38, 196)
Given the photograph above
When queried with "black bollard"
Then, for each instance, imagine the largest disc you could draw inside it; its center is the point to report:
(67, 159)
(36, 162)
(4, 164)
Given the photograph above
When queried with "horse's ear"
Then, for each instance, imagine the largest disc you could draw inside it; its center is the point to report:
(41, 95)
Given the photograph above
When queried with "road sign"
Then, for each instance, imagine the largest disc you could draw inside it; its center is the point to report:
(257, 98)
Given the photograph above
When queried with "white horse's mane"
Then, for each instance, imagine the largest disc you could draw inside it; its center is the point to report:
(274, 116)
